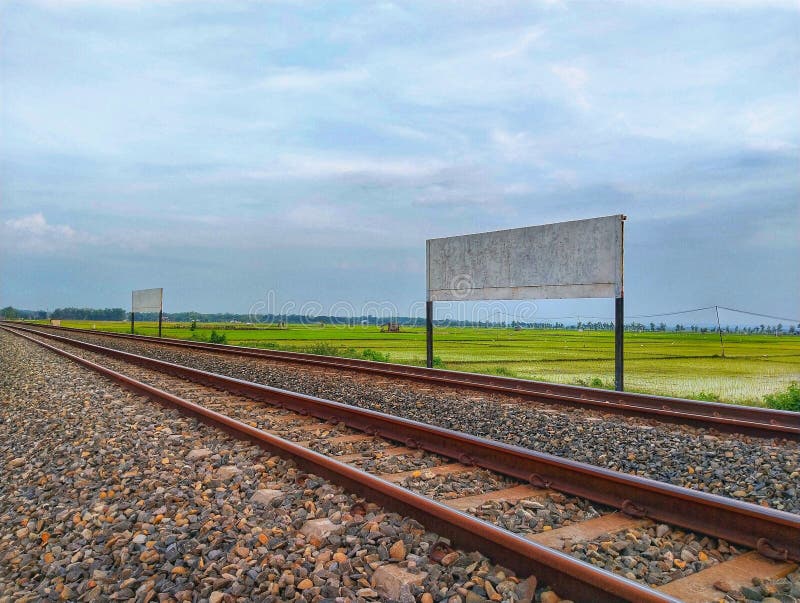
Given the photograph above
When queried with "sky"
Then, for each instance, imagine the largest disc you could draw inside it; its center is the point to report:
(298, 154)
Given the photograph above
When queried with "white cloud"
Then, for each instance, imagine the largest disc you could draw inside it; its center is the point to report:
(310, 167)
(35, 224)
(404, 132)
(33, 233)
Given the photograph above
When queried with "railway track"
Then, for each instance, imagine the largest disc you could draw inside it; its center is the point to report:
(726, 418)
(352, 439)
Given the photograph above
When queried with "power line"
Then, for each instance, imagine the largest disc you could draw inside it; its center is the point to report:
(797, 320)
(671, 313)
(661, 314)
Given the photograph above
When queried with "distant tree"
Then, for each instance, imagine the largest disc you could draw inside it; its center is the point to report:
(89, 313)
(9, 313)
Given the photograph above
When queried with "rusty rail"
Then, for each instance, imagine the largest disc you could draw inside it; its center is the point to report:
(774, 533)
(721, 417)
(570, 577)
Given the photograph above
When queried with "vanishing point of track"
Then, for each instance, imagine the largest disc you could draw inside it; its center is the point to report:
(772, 533)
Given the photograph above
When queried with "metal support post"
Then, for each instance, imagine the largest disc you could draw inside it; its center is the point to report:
(619, 331)
(429, 333)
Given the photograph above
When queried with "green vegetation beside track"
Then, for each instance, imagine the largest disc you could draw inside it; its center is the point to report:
(756, 369)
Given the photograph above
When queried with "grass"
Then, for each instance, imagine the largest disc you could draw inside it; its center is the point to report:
(786, 400)
(756, 369)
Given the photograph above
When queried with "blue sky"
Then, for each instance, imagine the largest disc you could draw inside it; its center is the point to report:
(224, 150)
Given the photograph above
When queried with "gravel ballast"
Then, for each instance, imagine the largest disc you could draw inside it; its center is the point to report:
(654, 556)
(740, 467)
(105, 495)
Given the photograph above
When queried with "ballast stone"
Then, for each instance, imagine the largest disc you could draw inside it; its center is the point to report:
(320, 529)
(390, 580)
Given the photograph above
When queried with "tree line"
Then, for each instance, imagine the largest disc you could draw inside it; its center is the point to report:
(11, 313)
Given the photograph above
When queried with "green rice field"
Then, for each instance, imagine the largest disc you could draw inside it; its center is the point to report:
(675, 364)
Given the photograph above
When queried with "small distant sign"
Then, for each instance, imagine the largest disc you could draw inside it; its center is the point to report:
(55, 322)
(147, 300)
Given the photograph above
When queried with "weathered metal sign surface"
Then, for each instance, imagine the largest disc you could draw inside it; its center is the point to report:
(582, 258)
(147, 300)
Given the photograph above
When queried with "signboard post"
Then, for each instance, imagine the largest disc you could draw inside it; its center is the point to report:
(582, 258)
(619, 332)
(147, 300)
(429, 332)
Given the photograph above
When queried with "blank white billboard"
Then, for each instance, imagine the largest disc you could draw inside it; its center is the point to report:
(582, 258)
(147, 300)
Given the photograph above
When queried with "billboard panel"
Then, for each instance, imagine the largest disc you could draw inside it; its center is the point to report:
(582, 258)
(147, 300)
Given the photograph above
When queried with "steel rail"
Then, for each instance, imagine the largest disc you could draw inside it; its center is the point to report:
(729, 418)
(568, 576)
(775, 534)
